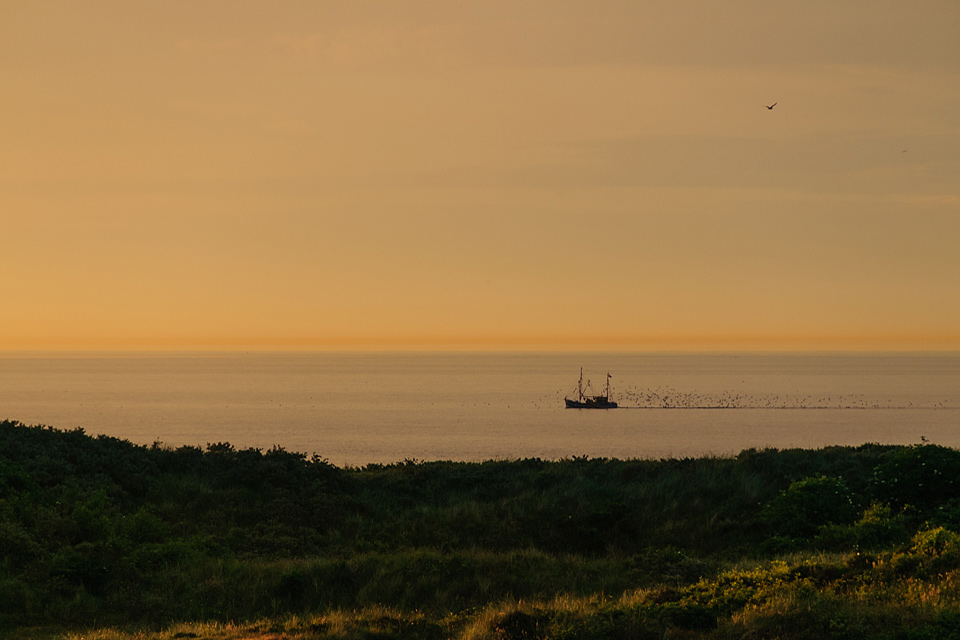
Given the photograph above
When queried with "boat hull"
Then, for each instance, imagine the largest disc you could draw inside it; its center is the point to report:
(590, 403)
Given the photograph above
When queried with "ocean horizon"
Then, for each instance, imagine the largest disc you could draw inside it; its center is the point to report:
(360, 407)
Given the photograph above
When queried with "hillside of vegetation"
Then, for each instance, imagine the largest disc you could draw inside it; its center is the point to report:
(103, 538)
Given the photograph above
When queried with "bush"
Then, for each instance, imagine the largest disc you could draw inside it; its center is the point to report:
(925, 476)
(877, 528)
(809, 504)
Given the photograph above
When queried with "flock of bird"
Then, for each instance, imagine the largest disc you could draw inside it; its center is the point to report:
(665, 397)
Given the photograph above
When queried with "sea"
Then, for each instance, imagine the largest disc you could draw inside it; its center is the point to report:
(357, 408)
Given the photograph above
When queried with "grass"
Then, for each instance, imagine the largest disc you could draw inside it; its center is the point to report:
(814, 596)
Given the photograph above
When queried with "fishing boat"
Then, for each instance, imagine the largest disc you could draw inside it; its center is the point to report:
(585, 401)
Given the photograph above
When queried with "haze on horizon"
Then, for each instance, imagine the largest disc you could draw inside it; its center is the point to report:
(480, 175)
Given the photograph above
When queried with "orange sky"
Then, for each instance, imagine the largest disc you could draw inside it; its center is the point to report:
(480, 175)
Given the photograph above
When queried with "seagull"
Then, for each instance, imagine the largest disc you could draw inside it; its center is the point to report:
(771, 106)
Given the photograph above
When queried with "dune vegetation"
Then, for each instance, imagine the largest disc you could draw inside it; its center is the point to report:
(101, 538)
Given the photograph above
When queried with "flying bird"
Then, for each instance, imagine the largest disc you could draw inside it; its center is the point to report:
(771, 106)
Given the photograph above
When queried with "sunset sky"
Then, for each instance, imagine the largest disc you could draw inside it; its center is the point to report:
(546, 174)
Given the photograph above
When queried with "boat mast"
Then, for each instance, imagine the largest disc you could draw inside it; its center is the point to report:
(580, 385)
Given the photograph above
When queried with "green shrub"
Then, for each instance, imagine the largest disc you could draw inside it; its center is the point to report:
(925, 476)
(809, 504)
(878, 528)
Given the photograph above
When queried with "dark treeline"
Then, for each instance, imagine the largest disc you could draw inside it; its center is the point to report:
(99, 531)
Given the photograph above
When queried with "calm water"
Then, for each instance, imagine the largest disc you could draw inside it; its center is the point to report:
(354, 408)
